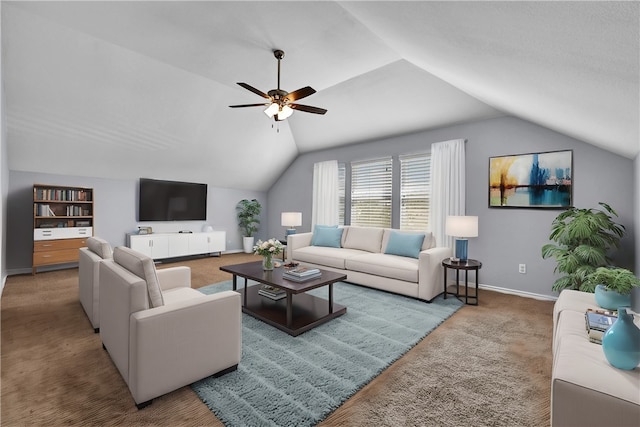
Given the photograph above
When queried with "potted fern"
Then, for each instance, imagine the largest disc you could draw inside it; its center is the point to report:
(582, 239)
(612, 286)
(248, 212)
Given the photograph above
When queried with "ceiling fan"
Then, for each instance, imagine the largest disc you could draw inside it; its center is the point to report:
(281, 103)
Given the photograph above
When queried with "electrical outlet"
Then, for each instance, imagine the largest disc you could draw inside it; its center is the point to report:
(522, 268)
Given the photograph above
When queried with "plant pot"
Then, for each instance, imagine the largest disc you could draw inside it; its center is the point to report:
(247, 244)
(611, 300)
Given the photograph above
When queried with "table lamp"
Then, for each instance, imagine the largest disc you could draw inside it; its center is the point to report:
(291, 220)
(461, 227)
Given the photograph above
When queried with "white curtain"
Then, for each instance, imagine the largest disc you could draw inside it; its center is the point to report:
(325, 193)
(447, 186)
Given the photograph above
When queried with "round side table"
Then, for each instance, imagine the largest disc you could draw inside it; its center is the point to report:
(469, 264)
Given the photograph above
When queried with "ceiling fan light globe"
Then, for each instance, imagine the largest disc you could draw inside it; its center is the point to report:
(271, 110)
(285, 112)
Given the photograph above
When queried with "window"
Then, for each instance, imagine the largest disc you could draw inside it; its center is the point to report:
(415, 178)
(342, 173)
(371, 193)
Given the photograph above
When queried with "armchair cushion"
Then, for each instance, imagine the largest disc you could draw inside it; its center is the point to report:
(143, 267)
(100, 247)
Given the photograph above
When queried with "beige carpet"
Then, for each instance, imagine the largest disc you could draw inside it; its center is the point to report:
(487, 365)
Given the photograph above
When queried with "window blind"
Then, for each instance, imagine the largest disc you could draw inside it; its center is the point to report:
(371, 193)
(415, 177)
(342, 173)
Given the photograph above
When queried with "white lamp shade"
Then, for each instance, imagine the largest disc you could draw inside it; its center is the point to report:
(462, 226)
(291, 219)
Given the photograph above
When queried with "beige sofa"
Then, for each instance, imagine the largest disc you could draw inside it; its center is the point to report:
(361, 256)
(585, 389)
(159, 332)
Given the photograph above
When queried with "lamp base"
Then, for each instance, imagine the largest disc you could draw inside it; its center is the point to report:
(291, 231)
(461, 249)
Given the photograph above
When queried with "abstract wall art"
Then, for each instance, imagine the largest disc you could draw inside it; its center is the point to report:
(534, 180)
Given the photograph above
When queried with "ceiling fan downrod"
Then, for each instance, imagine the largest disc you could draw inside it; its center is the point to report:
(279, 54)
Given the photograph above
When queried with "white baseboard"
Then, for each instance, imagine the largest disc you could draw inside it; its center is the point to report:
(519, 293)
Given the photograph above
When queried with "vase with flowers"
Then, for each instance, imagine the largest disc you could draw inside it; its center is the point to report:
(268, 249)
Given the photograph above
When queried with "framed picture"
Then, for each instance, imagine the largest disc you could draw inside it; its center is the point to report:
(535, 180)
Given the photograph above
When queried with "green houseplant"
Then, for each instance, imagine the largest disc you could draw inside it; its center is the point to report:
(612, 286)
(248, 212)
(582, 239)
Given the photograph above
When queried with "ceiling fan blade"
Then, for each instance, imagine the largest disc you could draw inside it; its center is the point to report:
(254, 90)
(300, 93)
(249, 105)
(308, 108)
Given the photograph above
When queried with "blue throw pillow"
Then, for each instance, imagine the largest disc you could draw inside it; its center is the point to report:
(327, 236)
(315, 229)
(404, 244)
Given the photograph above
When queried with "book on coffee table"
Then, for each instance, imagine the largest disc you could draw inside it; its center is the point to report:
(304, 278)
(302, 272)
(272, 292)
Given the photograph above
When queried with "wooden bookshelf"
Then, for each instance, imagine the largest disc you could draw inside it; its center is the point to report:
(62, 221)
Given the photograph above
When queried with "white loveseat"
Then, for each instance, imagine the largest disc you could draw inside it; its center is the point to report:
(585, 389)
(362, 256)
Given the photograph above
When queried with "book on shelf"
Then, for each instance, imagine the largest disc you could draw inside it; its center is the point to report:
(597, 322)
(294, 278)
(302, 271)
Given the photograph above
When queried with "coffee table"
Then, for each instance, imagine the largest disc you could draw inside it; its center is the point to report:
(293, 315)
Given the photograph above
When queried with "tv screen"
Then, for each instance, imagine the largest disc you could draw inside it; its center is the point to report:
(171, 201)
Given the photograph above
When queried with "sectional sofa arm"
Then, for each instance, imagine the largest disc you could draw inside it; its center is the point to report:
(174, 277)
(430, 272)
(297, 241)
(177, 344)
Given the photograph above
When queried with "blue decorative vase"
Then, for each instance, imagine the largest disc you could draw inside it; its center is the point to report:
(611, 300)
(621, 342)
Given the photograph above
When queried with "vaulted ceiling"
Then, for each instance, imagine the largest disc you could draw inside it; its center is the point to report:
(129, 89)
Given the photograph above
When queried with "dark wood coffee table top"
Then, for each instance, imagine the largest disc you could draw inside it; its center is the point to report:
(292, 315)
(253, 271)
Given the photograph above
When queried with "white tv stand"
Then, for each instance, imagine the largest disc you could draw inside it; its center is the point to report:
(174, 245)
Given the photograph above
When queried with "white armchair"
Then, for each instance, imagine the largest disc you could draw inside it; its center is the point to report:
(88, 281)
(160, 333)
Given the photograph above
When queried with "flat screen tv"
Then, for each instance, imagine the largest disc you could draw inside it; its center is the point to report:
(171, 201)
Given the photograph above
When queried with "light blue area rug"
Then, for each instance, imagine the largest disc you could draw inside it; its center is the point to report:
(298, 381)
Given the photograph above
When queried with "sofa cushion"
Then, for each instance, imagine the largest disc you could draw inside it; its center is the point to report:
(143, 267)
(583, 363)
(404, 244)
(392, 266)
(327, 236)
(364, 238)
(175, 295)
(572, 300)
(100, 247)
(320, 255)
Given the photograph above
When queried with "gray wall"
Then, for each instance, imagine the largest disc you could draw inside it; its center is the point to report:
(636, 194)
(4, 177)
(115, 205)
(507, 237)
